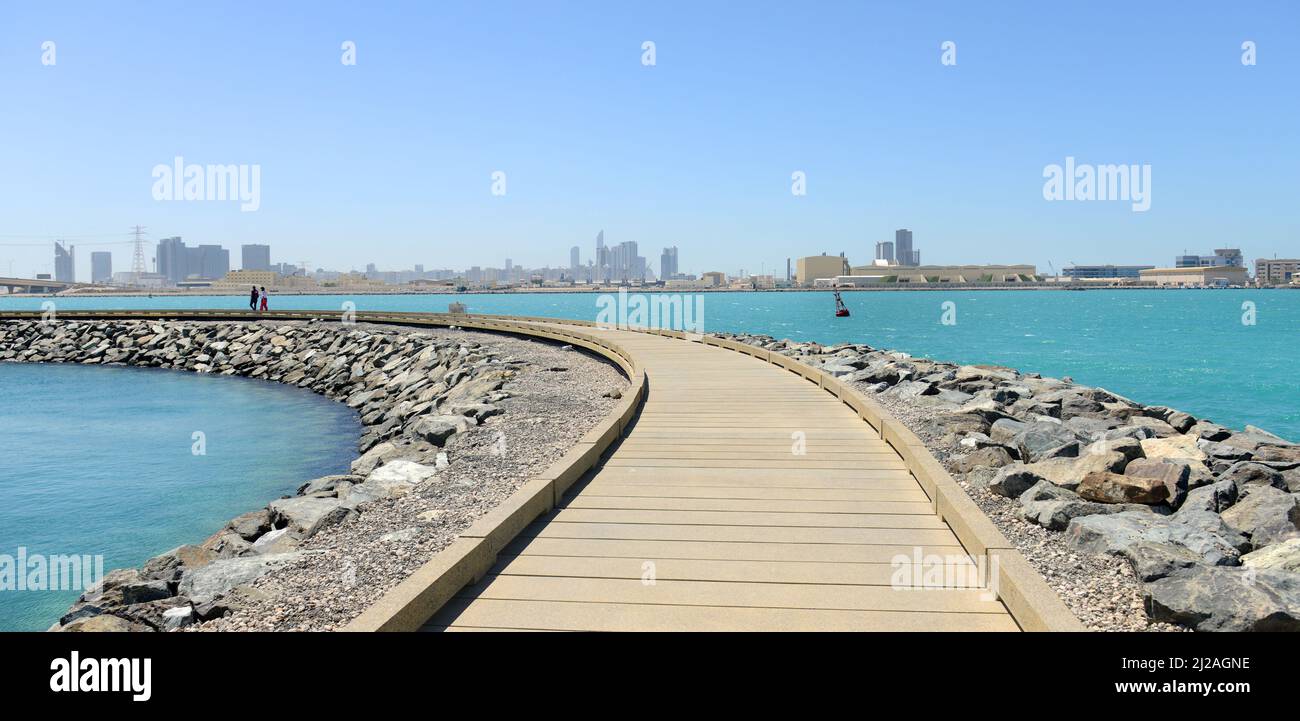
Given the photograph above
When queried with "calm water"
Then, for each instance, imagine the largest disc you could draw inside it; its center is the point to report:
(99, 460)
(1184, 348)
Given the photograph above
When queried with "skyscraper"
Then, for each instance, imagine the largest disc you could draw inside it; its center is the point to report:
(255, 257)
(903, 246)
(65, 266)
(177, 262)
(602, 258)
(101, 266)
(885, 251)
(668, 263)
(575, 260)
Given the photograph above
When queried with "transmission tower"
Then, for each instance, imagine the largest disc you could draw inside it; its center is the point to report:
(137, 259)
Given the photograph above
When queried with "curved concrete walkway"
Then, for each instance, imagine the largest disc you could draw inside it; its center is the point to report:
(707, 516)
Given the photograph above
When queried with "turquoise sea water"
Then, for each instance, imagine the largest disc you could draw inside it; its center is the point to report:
(99, 461)
(1184, 348)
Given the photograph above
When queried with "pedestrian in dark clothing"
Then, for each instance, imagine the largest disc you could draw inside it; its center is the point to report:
(252, 299)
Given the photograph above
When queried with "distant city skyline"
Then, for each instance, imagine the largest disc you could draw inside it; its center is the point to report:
(395, 160)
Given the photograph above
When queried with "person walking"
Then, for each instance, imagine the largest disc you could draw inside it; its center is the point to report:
(252, 299)
(263, 297)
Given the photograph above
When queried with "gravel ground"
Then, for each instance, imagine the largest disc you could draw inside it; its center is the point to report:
(1101, 590)
(557, 397)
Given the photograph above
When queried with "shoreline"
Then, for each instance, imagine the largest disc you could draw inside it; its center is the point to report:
(1121, 507)
(314, 560)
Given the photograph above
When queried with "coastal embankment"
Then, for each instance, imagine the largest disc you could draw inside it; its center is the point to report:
(453, 422)
(1140, 517)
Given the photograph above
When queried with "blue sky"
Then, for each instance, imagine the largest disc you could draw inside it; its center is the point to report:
(390, 161)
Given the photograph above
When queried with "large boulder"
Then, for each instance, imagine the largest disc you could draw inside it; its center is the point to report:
(377, 456)
(1249, 473)
(1041, 440)
(1052, 506)
(1267, 515)
(1171, 474)
(395, 479)
(437, 429)
(104, 623)
(203, 585)
(1118, 533)
(1107, 487)
(304, 516)
(168, 566)
(991, 456)
(1284, 556)
(1216, 598)
(1151, 560)
(1005, 430)
(1181, 448)
(251, 525)
(1013, 479)
(1216, 498)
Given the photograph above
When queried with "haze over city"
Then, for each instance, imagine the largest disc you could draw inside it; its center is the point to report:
(390, 160)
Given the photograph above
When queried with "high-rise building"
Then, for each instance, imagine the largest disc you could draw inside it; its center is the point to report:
(885, 251)
(575, 258)
(176, 262)
(255, 257)
(101, 266)
(903, 252)
(602, 258)
(65, 266)
(668, 263)
(171, 259)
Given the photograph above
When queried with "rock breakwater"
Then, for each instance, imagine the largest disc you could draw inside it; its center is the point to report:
(437, 408)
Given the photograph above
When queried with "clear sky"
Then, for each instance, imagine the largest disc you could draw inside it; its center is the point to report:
(390, 160)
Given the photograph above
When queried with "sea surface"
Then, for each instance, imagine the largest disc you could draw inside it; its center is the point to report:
(103, 461)
(1227, 355)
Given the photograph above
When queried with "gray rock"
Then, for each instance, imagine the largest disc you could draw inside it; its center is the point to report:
(1208, 431)
(1052, 506)
(281, 540)
(437, 429)
(1151, 561)
(1004, 430)
(168, 566)
(1284, 556)
(1116, 533)
(1210, 598)
(1248, 473)
(396, 478)
(325, 484)
(203, 585)
(1012, 480)
(176, 618)
(1266, 515)
(144, 591)
(1216, 498)
(105, 623)
(991, 456)
(376, 457)
(252, 524)
(1045, 440)
(304, 516)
